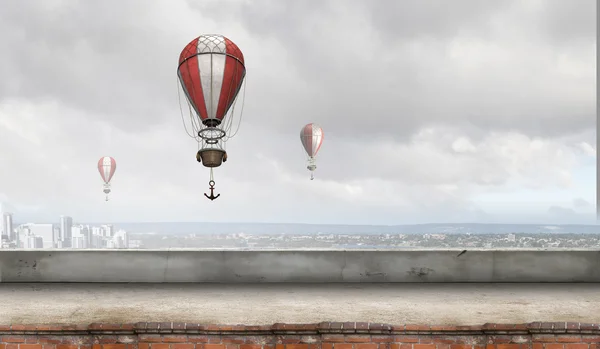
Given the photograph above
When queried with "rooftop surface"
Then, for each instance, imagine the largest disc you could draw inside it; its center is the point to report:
(265, 304)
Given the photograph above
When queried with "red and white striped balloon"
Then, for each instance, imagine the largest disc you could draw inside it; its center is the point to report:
(211, 71)
(312, 139)
(107, 167)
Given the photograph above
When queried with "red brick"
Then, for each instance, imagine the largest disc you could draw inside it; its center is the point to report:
(30, 346)
(460, 346)
(577, 346)
(174, 339)
(114, 346)
(13, 339)
(508, 346)
(233, 340)
(290, 339)
(406, 339)
(143, 346)
(569, 339)
(365, 346)
(553, 346)
(52, 346)
(323, 346)
(590, 339)
(296, 346)
(67, 346)
(400, 346)
(150, 338)
(382, 339)
(197, 338)
(338, 338)
(358, 339)
(182, 346)
(251, 346)
(424, 346)
(547, 338)
(50, 340)
(158, 346)
(537, 346)
(214, 346)
(110, 339)
(342, 346)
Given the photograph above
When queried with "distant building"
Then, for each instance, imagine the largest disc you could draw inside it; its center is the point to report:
(66, 225)
(45, 232)
(108, 230)
(34, 242)
(81, 236)
(8, 232)
(120, 240)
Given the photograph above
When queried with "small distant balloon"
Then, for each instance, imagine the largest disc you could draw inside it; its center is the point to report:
(107, 167)
(311, 137)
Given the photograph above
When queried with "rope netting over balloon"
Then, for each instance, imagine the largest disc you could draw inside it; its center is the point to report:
(212, 137)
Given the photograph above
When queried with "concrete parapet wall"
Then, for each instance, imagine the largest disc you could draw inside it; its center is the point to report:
(303, 266)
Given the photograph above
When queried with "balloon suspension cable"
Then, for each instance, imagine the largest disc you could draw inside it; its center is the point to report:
(312, 175)
(106, 198)
(181, 111)
(211, 187)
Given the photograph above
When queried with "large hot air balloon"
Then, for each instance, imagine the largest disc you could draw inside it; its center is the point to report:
(312, 139)
(107, 167)
(211, 72)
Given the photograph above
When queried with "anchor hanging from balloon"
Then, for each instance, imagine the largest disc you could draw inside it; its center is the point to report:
(211, 184)
(211, 72)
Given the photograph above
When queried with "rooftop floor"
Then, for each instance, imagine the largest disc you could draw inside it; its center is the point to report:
(265, 304)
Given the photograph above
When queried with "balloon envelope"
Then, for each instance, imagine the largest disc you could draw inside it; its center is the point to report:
(311, 136)
(107, 167)
(211, 71)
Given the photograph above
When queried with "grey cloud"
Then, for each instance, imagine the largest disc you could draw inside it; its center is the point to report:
(93, 57)
(580, 203)
(113, 59)
(364, 83)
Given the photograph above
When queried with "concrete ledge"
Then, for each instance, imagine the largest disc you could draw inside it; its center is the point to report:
(305, 266)
(336, 328)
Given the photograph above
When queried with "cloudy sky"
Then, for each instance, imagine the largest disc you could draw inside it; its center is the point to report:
(433, 111)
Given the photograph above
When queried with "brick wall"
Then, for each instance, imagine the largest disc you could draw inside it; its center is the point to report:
(348, 335)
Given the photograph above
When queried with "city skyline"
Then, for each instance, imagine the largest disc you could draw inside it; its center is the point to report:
(64, 234)
(462, 111)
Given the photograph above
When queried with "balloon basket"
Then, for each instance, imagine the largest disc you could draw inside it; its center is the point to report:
(211, 157)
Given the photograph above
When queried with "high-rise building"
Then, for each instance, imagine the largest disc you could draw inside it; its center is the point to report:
(108, 230)
(8, 232)
(44, 231)
(34, 242)
(66, 225)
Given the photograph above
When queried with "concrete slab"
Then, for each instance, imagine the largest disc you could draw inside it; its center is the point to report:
(264, 304)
